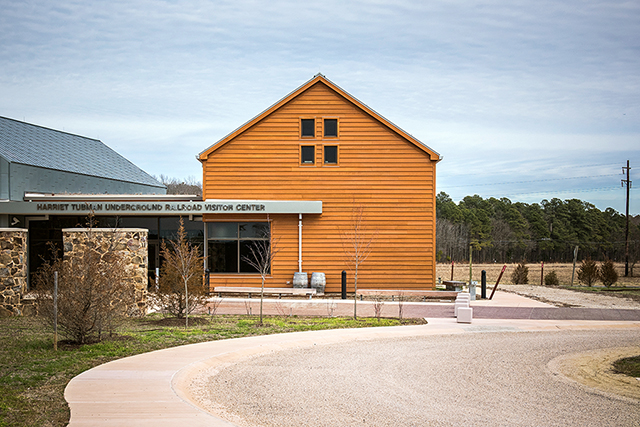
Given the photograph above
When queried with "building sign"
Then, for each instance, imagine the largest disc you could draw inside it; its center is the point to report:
(160, 208)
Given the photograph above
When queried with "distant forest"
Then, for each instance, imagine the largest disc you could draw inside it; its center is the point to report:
(189, 186)
(502, 231)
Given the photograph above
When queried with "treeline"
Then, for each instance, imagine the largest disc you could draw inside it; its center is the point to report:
(502, 231)
(190, 186)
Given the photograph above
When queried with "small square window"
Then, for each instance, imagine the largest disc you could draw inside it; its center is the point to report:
(307, 154)
(330, 154)
(307, 128)
(331, 128)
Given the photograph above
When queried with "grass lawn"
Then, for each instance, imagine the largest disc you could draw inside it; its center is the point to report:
(564, 271)
(628, 366)
(33, 376)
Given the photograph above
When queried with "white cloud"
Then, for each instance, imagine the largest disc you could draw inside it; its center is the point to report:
(497, 87)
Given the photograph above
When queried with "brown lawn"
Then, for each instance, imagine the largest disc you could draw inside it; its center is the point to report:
(461, 272)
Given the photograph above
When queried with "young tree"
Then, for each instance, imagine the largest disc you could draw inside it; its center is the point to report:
(588, 272)
(357, 244)
(607, 273)
(181, 287)
(93, 290)
(261, 255)
(551, 279)
(520, 275)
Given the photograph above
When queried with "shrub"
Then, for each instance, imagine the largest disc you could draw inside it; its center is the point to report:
(551, 279)
(93, 291)
(520, 275)
(607, 273)
(588, 272)
(181, 290)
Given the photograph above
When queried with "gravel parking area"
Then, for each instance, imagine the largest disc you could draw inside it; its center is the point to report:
(568, 298)
(481, 379)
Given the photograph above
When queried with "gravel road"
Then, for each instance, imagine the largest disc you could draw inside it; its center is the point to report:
(489, 378)
(568, 298)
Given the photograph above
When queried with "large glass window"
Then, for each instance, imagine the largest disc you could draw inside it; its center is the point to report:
(169, 229)
(230, 242)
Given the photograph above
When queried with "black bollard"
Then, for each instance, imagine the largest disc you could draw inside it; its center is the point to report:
(483, 295)
(344, 284)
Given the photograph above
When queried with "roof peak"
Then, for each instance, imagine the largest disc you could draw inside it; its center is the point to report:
(319, 77)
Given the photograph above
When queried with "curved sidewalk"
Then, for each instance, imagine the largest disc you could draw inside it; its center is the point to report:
(153, 388)
(504, 305)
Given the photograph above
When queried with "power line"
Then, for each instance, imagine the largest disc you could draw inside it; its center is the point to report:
(626, 182)
(583, 190)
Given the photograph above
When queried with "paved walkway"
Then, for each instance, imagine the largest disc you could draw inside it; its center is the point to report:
(504, 305)
(153, 388)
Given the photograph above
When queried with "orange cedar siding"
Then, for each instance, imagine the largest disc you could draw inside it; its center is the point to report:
(393, 179)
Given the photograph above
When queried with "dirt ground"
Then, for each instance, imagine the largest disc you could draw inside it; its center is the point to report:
(560, 297)
(386, 382)
(595, 369)
(564, 271)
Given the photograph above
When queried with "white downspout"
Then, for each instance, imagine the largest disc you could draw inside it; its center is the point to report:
(300, 243)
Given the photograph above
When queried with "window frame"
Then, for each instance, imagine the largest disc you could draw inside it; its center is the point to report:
(238, 240)
(302, 136)
(315, 155)
(324, 155)
(324, 131)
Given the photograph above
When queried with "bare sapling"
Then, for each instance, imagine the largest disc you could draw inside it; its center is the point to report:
(213, 305)
(181, 286)
(331, 308)
(93, 289)
(401, 299)
(378, 303)
(357, 244)
(261, 255)
(281, 309)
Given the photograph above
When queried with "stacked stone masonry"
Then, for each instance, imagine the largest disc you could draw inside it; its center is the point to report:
(13, 270)
(129, 243)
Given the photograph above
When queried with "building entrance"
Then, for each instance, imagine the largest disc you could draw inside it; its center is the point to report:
(46, 233)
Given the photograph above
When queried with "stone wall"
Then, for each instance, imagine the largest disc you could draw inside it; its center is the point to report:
(130, 243)
(13, 270)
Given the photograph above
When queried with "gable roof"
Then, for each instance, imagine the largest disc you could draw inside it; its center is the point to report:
(42, 147)
(319, 78)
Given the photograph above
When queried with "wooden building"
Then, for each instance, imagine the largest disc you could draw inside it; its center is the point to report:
(320, 144)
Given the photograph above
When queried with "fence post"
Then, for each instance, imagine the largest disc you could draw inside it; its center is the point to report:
(470, 265)
(55, 311)
(575, 257)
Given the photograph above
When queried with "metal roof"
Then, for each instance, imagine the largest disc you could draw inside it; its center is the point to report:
(42, 147)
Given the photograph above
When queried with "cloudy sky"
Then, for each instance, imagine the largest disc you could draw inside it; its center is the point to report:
(523, 99)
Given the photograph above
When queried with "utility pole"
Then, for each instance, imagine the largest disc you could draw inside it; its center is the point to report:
(626, 232)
